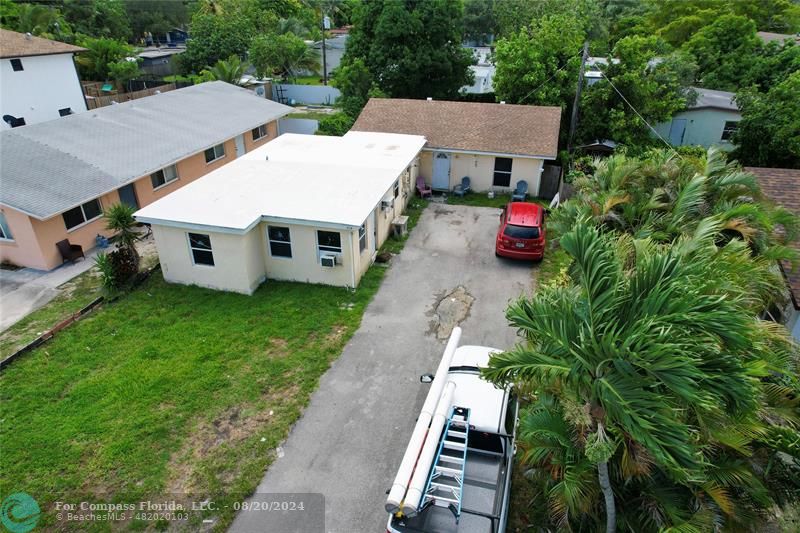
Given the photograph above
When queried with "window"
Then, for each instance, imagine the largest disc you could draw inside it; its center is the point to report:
(397, 188)
(329, 242)
(521, 232)
(161, 177)
(64, 112)
(16, 64)
(280, 241)
(5, 232)
(82, 214)
(362, 237)
(729, 129)
(215, 152)
(200, 246)
(502, 172)
(259, 132)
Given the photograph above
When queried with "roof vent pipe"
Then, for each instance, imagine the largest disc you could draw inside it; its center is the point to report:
(430, 99)
(28, 36)
(502, 101)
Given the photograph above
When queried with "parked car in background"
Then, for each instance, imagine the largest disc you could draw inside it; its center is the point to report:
(522, 233)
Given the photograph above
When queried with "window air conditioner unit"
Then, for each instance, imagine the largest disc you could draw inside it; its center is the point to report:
(387, 203)
(328, 261)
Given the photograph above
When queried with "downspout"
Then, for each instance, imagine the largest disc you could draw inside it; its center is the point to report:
(353, 266)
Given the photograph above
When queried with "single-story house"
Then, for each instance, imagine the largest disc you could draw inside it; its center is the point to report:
(483, 70)
(495, 145)
(58, 176)
(303, 208)
(782, 186)
(711, 120)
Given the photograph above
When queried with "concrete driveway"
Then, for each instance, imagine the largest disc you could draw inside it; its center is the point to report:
(351, 438)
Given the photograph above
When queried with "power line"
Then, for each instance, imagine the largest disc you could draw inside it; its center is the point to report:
(639, 115)
(551, 77)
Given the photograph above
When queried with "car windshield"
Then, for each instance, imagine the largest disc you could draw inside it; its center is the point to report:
(521, 232)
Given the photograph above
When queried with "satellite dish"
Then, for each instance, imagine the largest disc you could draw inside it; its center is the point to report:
(260, 91)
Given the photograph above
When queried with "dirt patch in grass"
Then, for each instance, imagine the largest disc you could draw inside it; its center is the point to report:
(277, 347)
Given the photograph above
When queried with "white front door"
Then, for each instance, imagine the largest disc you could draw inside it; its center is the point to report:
(441, 171)
(239, 145)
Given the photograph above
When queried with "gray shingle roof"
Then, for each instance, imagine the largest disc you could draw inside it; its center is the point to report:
(50, 167)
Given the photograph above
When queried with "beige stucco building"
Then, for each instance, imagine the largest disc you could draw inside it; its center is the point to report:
(495, 145)
(57, 177)
(301, 208)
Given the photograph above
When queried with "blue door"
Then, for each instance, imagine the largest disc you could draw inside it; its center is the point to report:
(676, 131)
(127, 195)
(441, 171)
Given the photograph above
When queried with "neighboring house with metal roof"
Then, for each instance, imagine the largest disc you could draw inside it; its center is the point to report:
(160, 61)
(38, 80)
(56, 177)
(782, 186)
(495, 145)
(303, 208)
(711, 120)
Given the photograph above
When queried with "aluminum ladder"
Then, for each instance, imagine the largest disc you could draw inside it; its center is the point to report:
(445, 486)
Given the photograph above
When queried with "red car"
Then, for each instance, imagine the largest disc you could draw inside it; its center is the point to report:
(521, 234)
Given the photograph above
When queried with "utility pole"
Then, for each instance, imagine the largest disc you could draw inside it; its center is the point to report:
(573, 122)
(325, 25)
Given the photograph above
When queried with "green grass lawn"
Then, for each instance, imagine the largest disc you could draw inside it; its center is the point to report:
(479, 199)
(313, 115)
(172, 389)
(171, 392)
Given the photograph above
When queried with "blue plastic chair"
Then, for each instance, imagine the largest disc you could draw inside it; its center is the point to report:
(463, 188)
(521, 192)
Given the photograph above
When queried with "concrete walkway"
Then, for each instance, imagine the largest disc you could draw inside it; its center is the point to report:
(26, 290)
(351, 438)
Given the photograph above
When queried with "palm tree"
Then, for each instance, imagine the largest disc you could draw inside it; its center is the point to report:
(651, 370)
(228, 70)
(119, 219)
(663, 197)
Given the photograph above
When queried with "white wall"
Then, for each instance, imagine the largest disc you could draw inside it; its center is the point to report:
(242, 262)
(47, 84)
(480, 170)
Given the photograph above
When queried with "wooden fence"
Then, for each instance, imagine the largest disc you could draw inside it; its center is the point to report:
(93, 102)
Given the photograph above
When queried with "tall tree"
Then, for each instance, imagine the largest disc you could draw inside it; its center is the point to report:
(724, 50)
(222, 28)
(650, 369)
(769, 133)
(656, 89)
(282, 55)
(479, 21)
(430, 62)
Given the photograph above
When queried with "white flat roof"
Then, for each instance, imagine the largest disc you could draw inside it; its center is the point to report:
(334, 181)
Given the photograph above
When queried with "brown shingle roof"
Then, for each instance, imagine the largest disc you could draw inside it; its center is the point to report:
(474, 127)
(782, 186)
(13, 44)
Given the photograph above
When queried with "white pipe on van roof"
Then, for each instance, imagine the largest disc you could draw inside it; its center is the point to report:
(420, 433)
(414, 495)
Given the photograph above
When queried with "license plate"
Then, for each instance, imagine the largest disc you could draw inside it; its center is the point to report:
(519, 244)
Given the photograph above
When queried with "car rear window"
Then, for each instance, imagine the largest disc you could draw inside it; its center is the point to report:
(521, 232)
